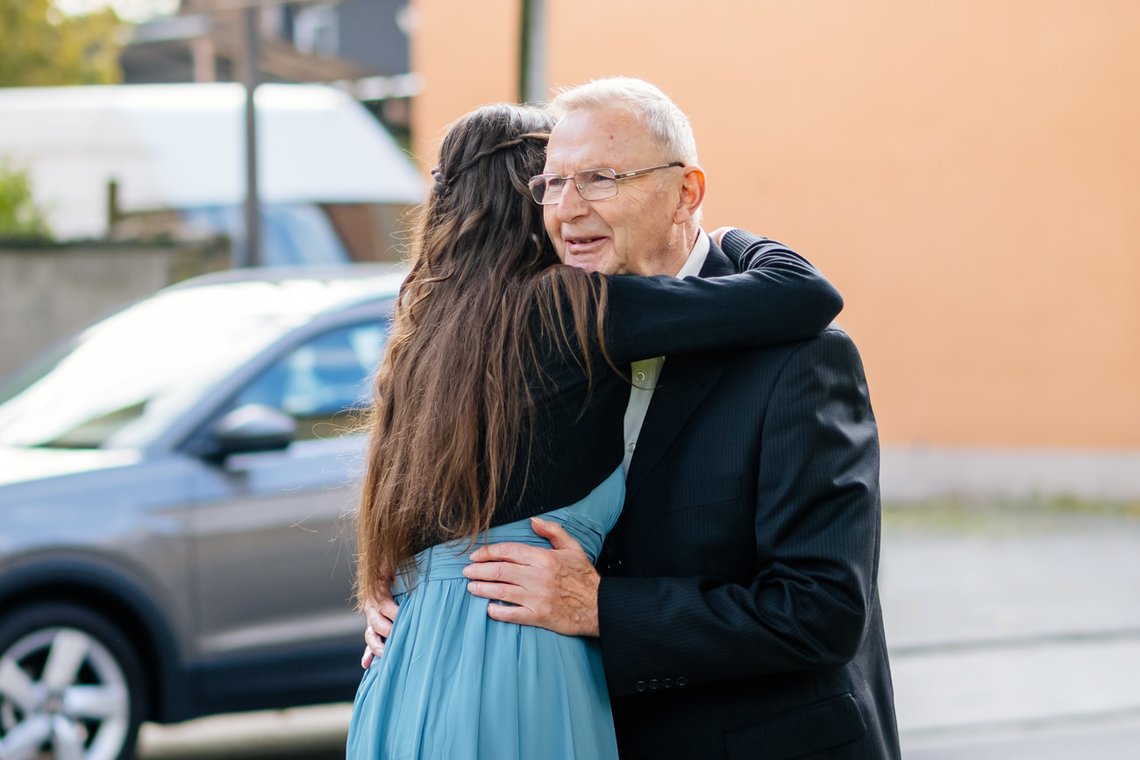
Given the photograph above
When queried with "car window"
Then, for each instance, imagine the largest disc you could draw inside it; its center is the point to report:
(127, 378)
(322, 382)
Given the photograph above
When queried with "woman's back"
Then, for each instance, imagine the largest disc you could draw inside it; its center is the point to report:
(454, 683)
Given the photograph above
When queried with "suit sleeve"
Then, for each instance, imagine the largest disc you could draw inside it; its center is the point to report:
(777, 296)
(816, 527)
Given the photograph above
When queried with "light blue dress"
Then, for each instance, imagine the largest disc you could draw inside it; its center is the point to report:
(455, 684)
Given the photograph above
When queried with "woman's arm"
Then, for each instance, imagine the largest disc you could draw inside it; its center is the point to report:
(776, 297)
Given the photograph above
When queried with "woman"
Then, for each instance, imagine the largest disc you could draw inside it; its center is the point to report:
(500, 399)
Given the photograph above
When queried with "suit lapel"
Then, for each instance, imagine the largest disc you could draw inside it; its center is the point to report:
(685, 380)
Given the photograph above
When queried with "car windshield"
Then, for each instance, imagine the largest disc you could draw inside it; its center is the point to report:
(123, 381)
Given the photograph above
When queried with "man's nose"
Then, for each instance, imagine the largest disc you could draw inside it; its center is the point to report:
(572, 205)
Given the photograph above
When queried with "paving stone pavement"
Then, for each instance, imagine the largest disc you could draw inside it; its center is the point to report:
(1014, 627)
(1014, 633)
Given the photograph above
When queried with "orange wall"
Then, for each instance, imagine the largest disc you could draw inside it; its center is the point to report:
(967, 171)
(466, 55)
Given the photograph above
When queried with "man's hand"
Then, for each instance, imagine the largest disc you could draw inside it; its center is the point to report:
(380, 614)
(554, 588)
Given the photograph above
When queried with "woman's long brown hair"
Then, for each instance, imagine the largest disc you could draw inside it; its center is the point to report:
(452, 396)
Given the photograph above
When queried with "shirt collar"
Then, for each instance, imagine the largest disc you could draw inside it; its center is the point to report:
(696, 260)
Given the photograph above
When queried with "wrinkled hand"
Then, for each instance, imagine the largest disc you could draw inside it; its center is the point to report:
(718, 234)
(380, 614)
(554, 588)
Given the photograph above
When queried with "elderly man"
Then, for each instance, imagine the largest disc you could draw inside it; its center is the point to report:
(736, 600)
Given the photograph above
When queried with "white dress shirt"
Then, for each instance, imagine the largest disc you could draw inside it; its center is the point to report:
(645, 372)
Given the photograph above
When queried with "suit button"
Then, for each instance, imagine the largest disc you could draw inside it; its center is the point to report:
(654, 684)
(640, 686)
(682, 681)
(667, 683)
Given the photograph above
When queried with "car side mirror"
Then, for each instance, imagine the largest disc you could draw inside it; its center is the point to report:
(253, 427)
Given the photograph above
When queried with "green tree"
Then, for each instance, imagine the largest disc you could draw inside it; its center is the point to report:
(19, 215)
(43, 47)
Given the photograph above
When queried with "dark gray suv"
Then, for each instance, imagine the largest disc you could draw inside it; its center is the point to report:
(176, 486)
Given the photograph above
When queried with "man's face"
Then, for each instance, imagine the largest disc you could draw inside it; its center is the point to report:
(634, 232)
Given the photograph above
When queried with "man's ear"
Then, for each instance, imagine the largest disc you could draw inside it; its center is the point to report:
(691, 196)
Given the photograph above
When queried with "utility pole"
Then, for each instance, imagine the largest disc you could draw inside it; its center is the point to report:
(251, 256)
(532, 52)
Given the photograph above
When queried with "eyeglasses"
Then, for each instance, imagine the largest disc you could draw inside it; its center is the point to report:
(592, 184)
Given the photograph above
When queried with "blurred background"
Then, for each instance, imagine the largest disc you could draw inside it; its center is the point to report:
(967, 173)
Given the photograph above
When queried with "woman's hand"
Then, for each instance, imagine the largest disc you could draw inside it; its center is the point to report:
(718, 234)
(380, 614)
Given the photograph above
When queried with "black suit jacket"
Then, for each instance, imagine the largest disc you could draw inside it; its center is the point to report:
(739, 609)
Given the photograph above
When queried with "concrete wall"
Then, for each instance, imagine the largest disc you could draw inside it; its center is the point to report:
(47, 293)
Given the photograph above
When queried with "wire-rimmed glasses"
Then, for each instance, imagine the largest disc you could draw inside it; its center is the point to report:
(592, 184)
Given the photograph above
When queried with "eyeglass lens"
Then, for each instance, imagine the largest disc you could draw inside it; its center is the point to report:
(593, 184)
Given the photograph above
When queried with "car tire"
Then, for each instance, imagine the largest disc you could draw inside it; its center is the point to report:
(71, 685)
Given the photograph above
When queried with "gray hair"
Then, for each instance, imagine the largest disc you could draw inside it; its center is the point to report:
(653, 108)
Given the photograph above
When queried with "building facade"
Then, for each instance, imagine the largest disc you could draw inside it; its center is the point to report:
(967, 172)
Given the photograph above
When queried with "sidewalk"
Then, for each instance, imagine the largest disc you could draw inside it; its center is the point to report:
(1005, 624)
(1014, 633)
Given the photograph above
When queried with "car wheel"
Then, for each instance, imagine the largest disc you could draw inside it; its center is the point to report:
(70, 684)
